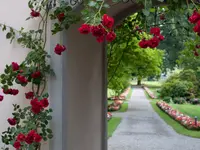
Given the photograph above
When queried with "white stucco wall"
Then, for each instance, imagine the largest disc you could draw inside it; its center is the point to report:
(13, 13)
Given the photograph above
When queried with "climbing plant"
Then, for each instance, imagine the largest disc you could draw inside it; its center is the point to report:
(29, 126)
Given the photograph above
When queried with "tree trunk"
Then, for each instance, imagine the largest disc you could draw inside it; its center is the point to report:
(139, 82)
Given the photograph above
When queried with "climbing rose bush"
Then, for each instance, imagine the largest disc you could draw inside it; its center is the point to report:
(195, 19)
(154, 41)
(28, 126)
(101, 31)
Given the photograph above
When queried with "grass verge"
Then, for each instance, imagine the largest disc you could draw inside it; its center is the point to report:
(112, 125)
(124, 107)
(174, 124)
(188, 109)
(129, 94)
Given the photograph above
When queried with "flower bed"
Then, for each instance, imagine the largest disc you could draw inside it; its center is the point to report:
(151, 95)
(122, 96)
(183, 119)
(118, 100)
(115, 105)
(109, 116)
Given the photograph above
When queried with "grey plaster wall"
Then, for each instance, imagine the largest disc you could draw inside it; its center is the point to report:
(84, 91)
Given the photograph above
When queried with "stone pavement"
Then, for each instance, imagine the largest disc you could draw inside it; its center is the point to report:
(142, 129)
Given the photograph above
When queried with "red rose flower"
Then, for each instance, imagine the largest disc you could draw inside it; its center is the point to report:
(107, 21)
(1, 98)
(143, 43)
(21, 137)
(100, 39)
(37, 138)
(61, 17)
(17, 145)
(196, 53)
(110, 36)
(8, 91)
(35, 13)
(194, 18)
(12, 121)
(155, 31)
(198, 46)
(162, 17)
(44, 102)
(153, 42)
(197, 28)
(22, 79)
(30, 137)
(98, 31)
(32, 132)
(15, 91)
(36, 74)
(15, 66)
(161, 37)
(59, 49)
(85, 29)
(29, 95)
(36, 106)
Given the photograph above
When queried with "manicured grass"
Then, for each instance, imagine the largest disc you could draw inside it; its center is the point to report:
(129, 94)
(154, 90)
(152, 84)
(110, 102)
(174, 124)
(124, 107)
(112, 125)
(149, 83)
(188, 109)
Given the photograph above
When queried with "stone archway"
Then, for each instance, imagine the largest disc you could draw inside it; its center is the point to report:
(79, 90)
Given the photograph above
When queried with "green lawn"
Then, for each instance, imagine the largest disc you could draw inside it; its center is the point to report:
(174, 124)
(154, 90)
(112, 125)
(110, 102)
(190, 110)
(124, 107)
(149, 83)
(129, 94)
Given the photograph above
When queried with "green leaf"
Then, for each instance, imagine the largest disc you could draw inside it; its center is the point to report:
(50, 136)
(49, 130)
(8, 35)
(45, 95)
(49, 117)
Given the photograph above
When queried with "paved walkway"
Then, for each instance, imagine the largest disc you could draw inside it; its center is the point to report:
(142, 129)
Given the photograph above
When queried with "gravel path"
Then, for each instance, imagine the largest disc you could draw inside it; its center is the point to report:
(142, 129)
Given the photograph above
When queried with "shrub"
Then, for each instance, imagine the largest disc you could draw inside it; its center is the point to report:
(195, 101)
(167, 99)
(176, 88)
(179, 100)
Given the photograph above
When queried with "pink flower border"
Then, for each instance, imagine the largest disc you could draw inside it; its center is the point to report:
(183, 119)
(150, 93)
